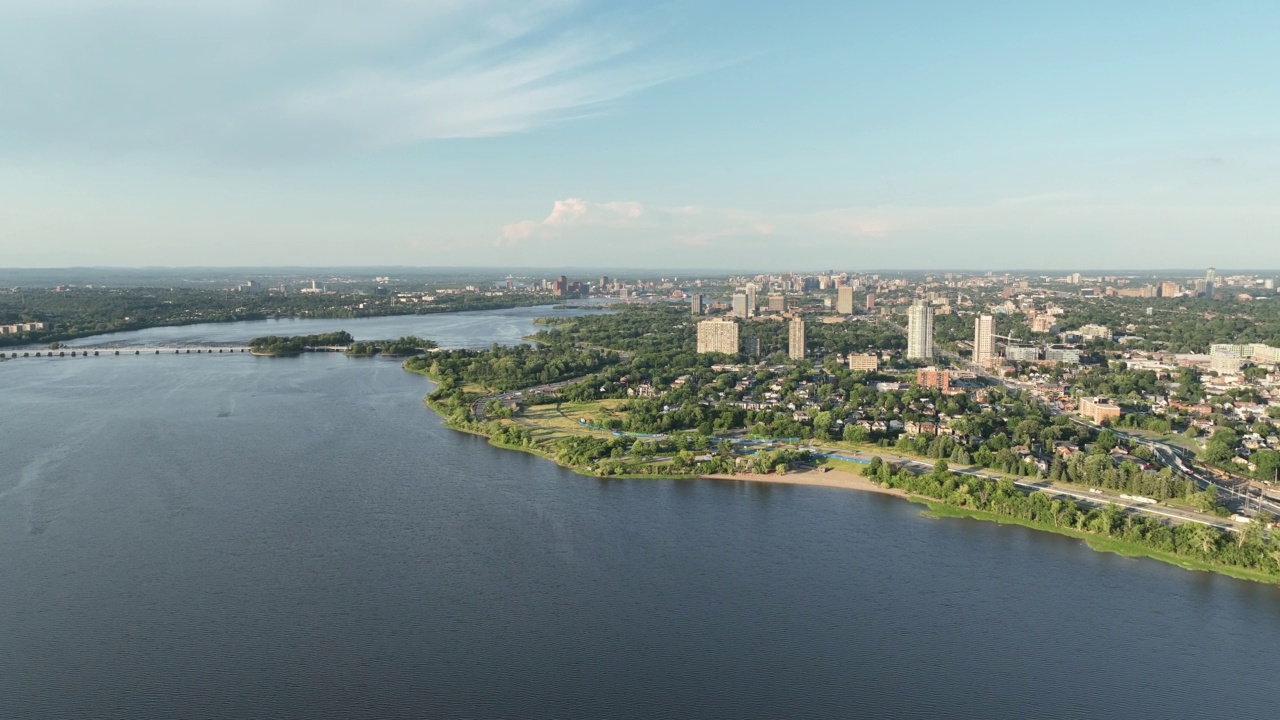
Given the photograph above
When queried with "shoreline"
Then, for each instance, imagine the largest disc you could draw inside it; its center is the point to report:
(811, 477)
(845, 480)
(933, 509)
(41, 344)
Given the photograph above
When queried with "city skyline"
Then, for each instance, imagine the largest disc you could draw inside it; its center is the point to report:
(559, 133)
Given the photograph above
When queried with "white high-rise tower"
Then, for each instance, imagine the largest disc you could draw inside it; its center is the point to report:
(920, 331)
(984, 340)
(795, 348)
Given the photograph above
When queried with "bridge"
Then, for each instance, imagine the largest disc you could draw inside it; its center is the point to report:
(70, 352)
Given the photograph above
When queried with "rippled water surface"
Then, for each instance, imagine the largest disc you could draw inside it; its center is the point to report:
(243, 537)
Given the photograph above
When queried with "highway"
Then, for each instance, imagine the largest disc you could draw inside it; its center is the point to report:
(1048, 487)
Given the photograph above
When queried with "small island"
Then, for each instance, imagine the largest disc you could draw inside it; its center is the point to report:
(285, 346)
(407, 346)
(341, 341)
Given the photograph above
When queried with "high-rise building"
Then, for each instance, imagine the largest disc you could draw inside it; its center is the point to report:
(844, 300)
(795, 345)
(751, 299)
(695, 304)
(751, 346)
(920, 331)
(718, 335)
(777, 303)
(1170, 289)
(1210, 282)
(740, 305)
(871, 302)
(984, 340)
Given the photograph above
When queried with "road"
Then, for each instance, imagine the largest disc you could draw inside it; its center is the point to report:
(477, 407)
(1239, 495)
(1048, 487)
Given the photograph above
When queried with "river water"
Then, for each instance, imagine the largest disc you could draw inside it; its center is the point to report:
(239, 537)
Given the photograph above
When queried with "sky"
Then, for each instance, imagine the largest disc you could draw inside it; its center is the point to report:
(706, 134)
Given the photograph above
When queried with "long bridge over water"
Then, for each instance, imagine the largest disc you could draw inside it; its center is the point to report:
(112, 351)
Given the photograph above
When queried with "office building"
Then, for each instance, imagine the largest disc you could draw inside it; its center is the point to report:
(920, 331)
(1225, 363)
(1210, 282)
(718, 335)
(795, 337)
(844, 300)
(695, 304)
(740, 305)
(1091, 332)
(1065, 355)
(866, 362)
(1019, 353)
(984, 340)
(1099, 411)
(751, 299)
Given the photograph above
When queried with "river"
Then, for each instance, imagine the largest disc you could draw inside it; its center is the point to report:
(239, 537)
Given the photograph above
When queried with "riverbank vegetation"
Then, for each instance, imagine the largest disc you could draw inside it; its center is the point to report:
(84, 311)
(509, 368)
(296, 344)
(404, 347)
(1252, 552)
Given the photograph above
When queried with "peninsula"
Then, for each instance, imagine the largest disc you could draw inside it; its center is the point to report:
(816, 397)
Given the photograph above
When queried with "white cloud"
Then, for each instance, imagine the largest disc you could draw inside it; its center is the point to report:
(295, 78)
(574, 212)
(1058, 230)
(694, 225)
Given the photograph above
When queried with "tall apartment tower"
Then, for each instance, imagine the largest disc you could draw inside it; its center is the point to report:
(718, 335)
(920, 331)
(844, 300)
(695, 304)
(984, 340)
(871, 302)
(740, 305)
(795, 346)
(1210, 282)
(751, 299)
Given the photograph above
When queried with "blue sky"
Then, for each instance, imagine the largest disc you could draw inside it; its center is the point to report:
(563, 133)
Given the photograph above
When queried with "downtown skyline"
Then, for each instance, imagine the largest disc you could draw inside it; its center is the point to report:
(573, 134)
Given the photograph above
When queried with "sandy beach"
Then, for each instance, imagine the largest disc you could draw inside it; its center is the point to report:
(832, 478)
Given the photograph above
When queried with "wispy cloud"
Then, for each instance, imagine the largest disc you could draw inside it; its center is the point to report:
(1062, 227)
(257, 77)
(695, 225)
